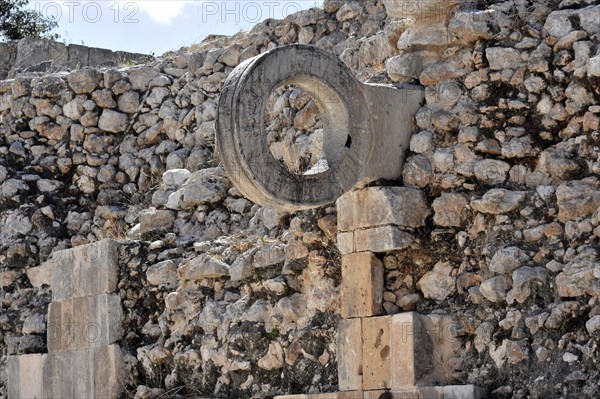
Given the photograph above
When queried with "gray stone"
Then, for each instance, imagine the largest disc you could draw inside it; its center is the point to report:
(204, 187)
(503, 57)
(156, 221)
(593, 325)
(162, 273)
(259, 177)
(470, 26)
(140, 77)
(113, 121)
(495, 288)
(201, 267)
(505, 260)
(577, 199)
(377, 206)
(523, 278)
(381, 239)
(498, 200)
(491, 171)
(437, 284)
(176, 178)
(421, 142)
(84, 81)
(450, 210)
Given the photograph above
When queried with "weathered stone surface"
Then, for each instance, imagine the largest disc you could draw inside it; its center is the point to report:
(438, 284)
(204, 187)
(156, 221)
(350, 354)
(377, 352)
(503, 57)
(412, 350)
(450, 210)
(108, 378)
(577, 199)
(112, 121)
(381, 239)
(84, 80)
(379, 206)
(523, 279)
(25, 376)
(201, 267)
(579, 276)
(498, 201)
(162, 273)
(259, 177)
(505, 260)
(361, 290)
(495, 288)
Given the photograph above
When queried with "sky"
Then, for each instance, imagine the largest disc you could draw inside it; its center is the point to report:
(158, 26)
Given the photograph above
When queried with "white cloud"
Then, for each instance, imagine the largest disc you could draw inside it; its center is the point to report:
(162, 11)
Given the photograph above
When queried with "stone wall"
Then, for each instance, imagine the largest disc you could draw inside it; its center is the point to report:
(42, 55)
(223, 298)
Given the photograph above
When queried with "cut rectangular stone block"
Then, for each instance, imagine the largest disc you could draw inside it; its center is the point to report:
(463, 392)
(381, 239)
(349, 354)
(109, 378)
(86, 270)
(58, 375)
(62, 279)
(412, 354)
(380, 206)
(31, 370)
(81, 326)
(105, 320)
(53, 330)
(345, 242)
(12, 377)
(361, 290)
(61, 329)
(83, 373)
(377, 352)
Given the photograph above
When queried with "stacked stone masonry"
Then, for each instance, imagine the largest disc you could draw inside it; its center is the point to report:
(224, 298)
(84, 324)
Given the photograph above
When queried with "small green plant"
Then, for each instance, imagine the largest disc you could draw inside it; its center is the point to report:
(273, 334)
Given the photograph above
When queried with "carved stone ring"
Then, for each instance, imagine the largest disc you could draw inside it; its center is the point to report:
(367, 128)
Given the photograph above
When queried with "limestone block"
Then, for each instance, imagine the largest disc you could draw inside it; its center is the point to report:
(85, 270)
(381, 239)
(108, 373)
(25, 376)
(412, 350)
(12, 377)
(345, 242)
(58, 375)
(62, 278)
(61, 330)
(362, 285)
(377, 352)
(380, 206)
(463, 392)
(83, 373)
(105, 319)
(349, 354)
(81, 322)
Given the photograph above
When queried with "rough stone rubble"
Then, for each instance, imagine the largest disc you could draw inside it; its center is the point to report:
(227, 299)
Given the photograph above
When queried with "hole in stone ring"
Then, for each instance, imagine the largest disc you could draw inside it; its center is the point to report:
(294, 128)
(306, 125)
